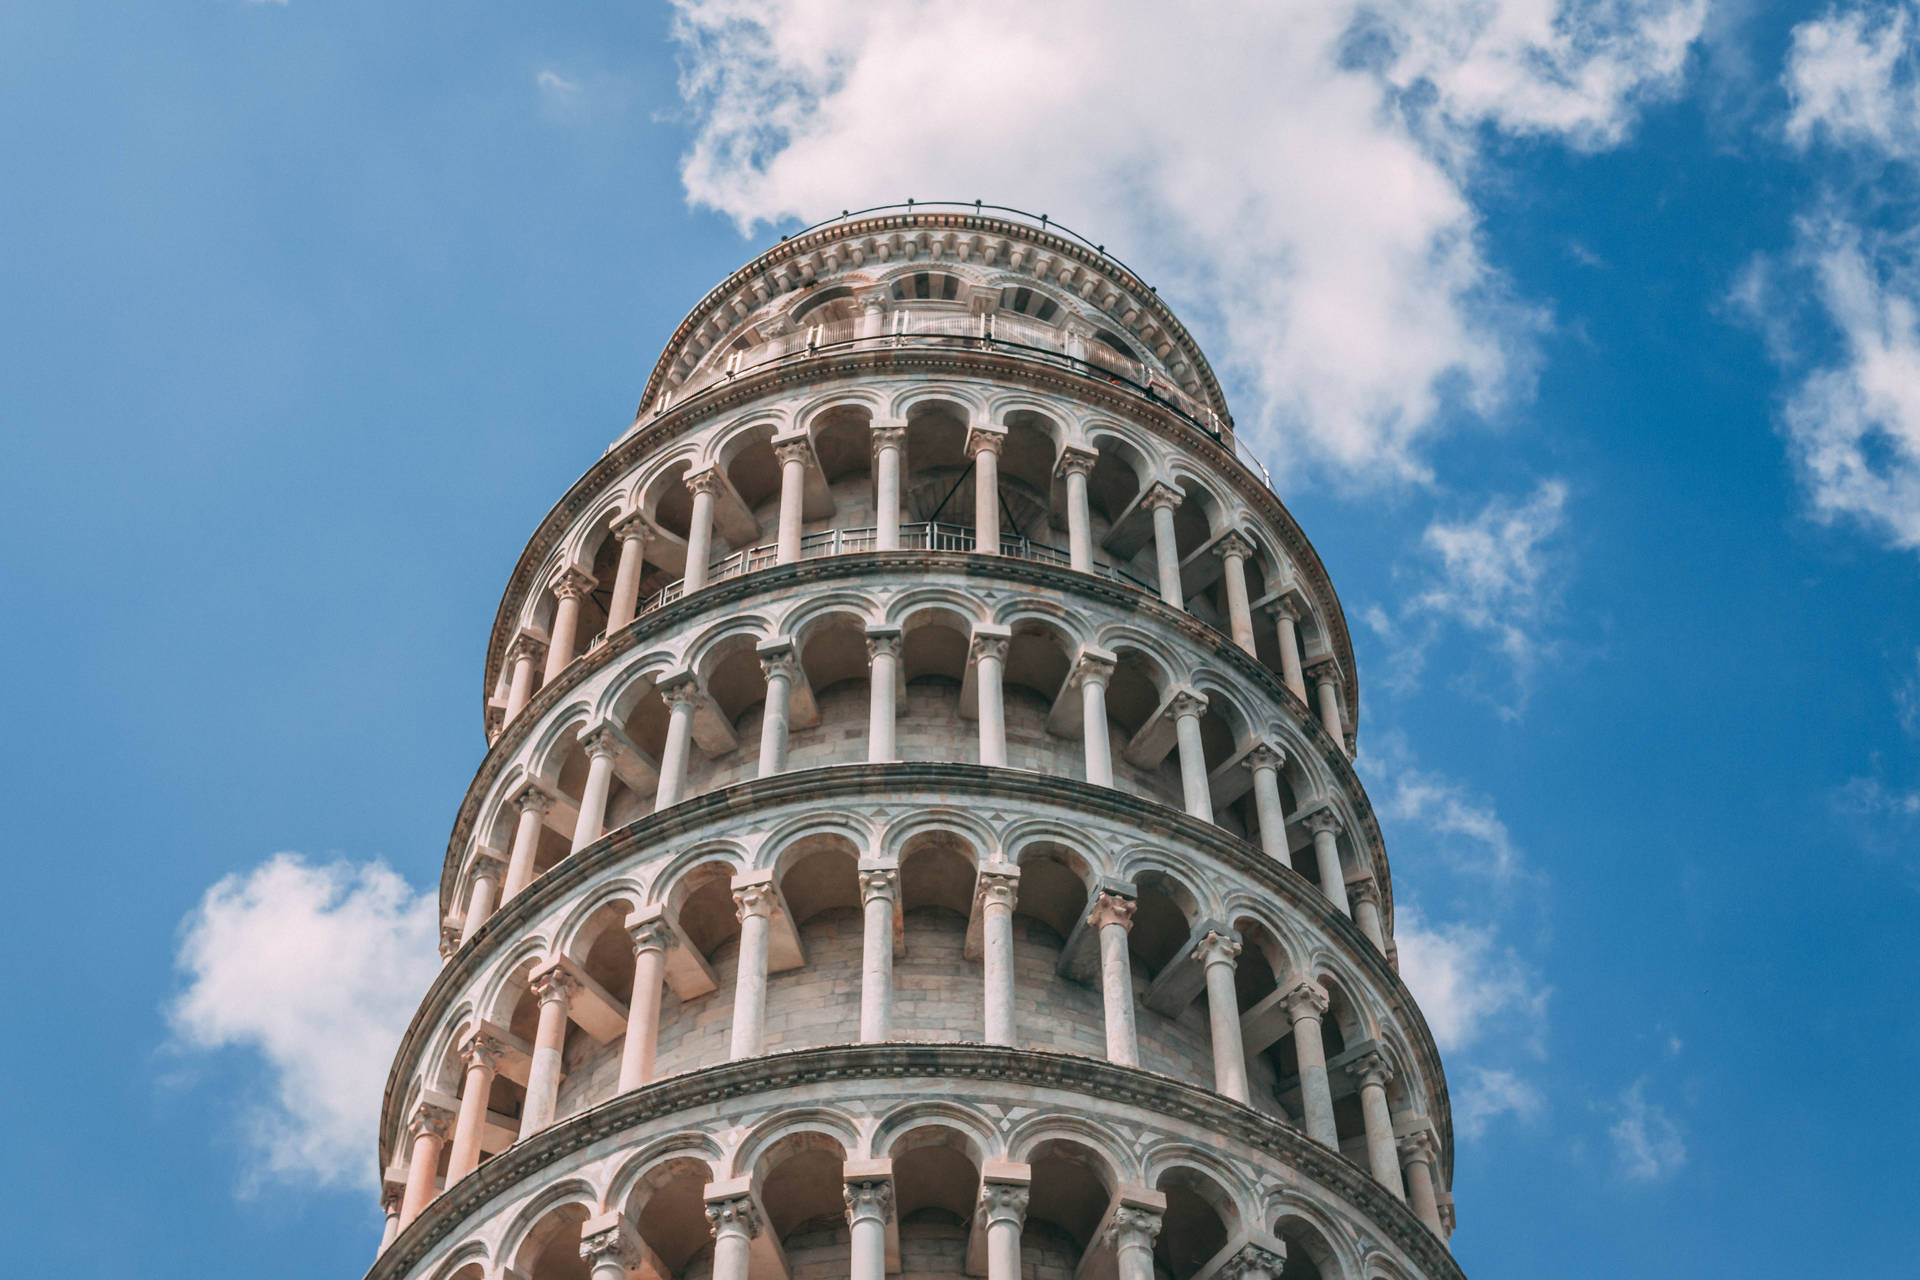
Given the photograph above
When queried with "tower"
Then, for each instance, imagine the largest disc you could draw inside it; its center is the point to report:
(917, 835)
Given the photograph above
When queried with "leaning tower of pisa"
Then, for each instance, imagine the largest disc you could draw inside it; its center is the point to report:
(917, 835)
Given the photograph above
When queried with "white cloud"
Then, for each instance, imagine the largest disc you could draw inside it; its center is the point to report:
(1483, 1096)
(315, 970)
(1439, 812)
(1297, 174)
(1466, 982)
(1646, 1142)
(554, 84)
(1851, 78)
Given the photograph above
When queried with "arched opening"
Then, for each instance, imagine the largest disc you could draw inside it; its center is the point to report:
(551, 1251)
(934, 984)
(1027, 456)
(936, 1186)
(1134, 695)
(1038, 659)
(1309, 1256)
(939, 478)
(1195, 1226)
(800, 1179)
(1256, 978)
(819, 879)
(694, 1033)
(835, 666)
(668, 1209)
(933, 658)
(1072, 1187)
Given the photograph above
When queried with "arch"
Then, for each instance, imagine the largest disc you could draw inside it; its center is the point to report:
(546, 1232)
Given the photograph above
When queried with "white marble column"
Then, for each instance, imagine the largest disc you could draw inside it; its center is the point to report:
(1132, 1232)
(879, 899)
(1371, 1072)
(1286, 617)
(1091, 673)
(592, 823)
(703, 485)
(553, 988)
(1003, 1207)
(1365, 897)
(427, 1131)
(989, 656)
(1419, 1153)
(682, 694)
(390, 1206)
(652, 939)
(781, 666)
(983, 443)
(533, 804)
(1112, 917)
(1161, 500)
(734, 1222)
(1233, 551)
(611, 1247)
(1265, 762)
(754, 904)
(1218, 953)
(568, 589)
(481, 1055)
(889, 466)
(998, 888)
(1326, 684)
(632, 533)
(883, 679)
(1325, 826)
(794, 455)
(482, 895)
(1305, 1004)
(525, 655)
(1076, 465)
(869, 1207)
(1187, 710)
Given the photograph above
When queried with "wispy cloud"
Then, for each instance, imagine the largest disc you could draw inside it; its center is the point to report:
(1481, 1096)
(1647, 1144)
(1851, 79)
(555, 85)
(313, 971)
(1341, 273)
(1467, 982)
(1440, 814)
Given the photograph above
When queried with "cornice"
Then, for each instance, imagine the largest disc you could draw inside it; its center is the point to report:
(1154, 1095)
(997, 366)
(1216, 645)
(693, 817)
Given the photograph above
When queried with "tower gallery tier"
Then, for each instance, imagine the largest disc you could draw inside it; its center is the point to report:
(917, 834)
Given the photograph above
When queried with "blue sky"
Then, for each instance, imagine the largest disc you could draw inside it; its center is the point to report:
(1582, 340)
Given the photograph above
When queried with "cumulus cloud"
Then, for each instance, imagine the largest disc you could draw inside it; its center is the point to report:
(1467, 982)
(313, 971)
(1481, 1096)
(1851, 80)
(1647, 1144)
(1439, 813)
(1298, 175)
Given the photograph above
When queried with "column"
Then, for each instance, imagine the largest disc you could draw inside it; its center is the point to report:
(754, 905)
(778, 661)
(879, 889)
(632, 533)
(989, 656)
(1233, 551)
(449, 940)
(1371, 1072)
(999, 885)
(883, 678)
(702, 485)
(1091, 674)
(526, 653)
(1305, 1002)
(1286, 616)
(889, 462)
(869, 1206)
(1265, 762)
(481, 1054)
(593, 798)
(567, 590)
(1418, 1155)
(1218, 953)
(1187, 708)
(651, 940)
(794, 454)
(481, 897)
(389, 1205)
(428, 1131)
(1161, 500)
(533, 803)
(734, 1223)
(682, 694)
(1325, 826)
(1003, 1207)
(1256, 1263)
(1326, 683)
(554, 989)
(983, 444)
(610, 1247)
(1077, 465)
(1132, 1232)
(1112, 916)
(1365, 897)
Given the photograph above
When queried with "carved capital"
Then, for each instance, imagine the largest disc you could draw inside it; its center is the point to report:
(1447, 1220)
(1256, 1263)
(1285, 607)
(879, 882)
(682, 690)
(482, 1050)
(1327, 672)
(998, 888)
(1261, 756)
(1233, 547)
(1188, 702)
(652, 935)
(707, 481)
(1323, 822)
(1371, 1068)
(1091, 668)
(1162, 496)
(572, 584)
(780, 662)
(889, 435)
(868, 1200)
(754, 900)
(797, 450)
(737, 1215)
(600, 740)
(527, 647)
(1216, 948)
(985, 440)
(1365, 890)
(1077, 462)
(533, 797)
(633, 529)
(1003, 1202)
(428, 1118)
(1131, 1228)
(883, 641)
(1305, 1001)
(449, 939)
(553, 985)
(1112, 908)
(1420, 1147)
(609, 1241)
(991, 647)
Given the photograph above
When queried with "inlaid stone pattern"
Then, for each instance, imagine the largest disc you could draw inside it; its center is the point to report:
(918, 835)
